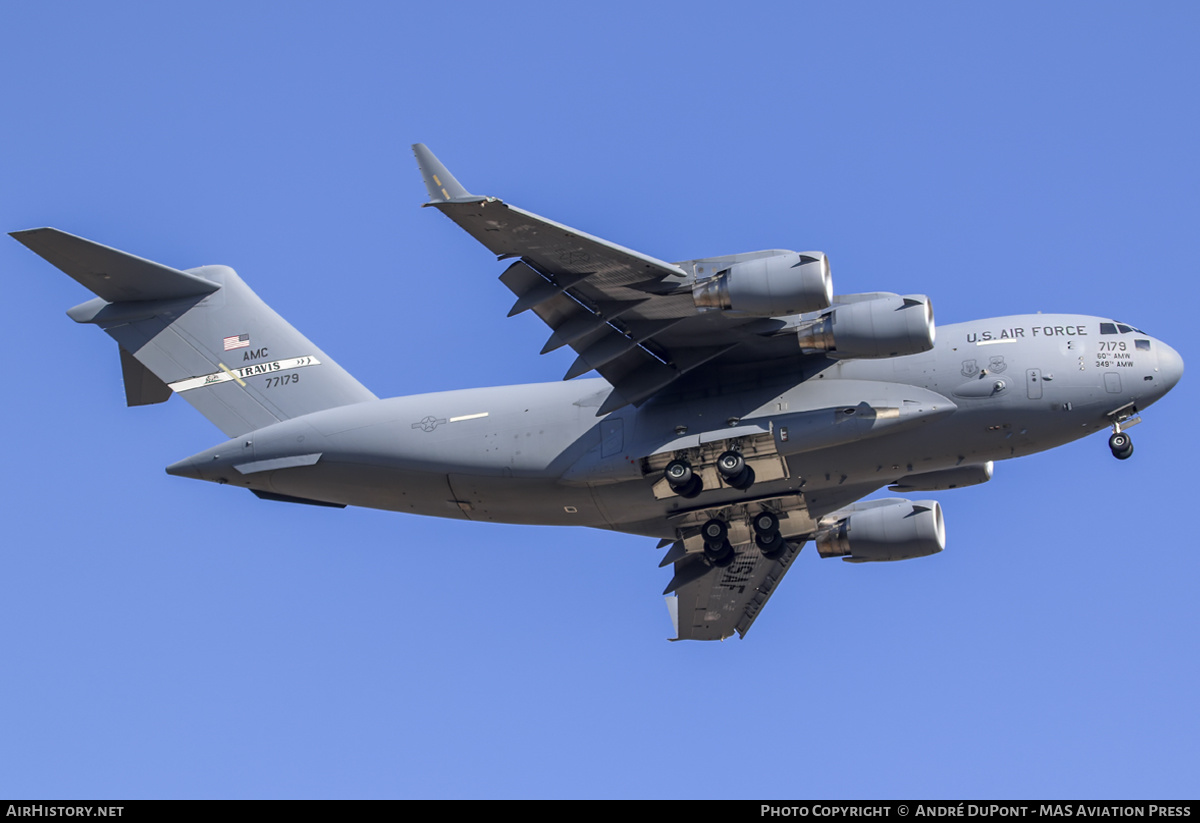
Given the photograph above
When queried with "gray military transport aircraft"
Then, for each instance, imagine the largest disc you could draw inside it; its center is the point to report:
(742, 408)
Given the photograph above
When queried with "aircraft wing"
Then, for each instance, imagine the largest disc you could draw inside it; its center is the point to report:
(712, 603)
(627, 315)
(709, 602)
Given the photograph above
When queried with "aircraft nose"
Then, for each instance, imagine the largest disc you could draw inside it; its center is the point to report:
(1170, 366)
(185, 468)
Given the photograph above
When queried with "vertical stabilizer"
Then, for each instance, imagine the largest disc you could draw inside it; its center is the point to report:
(200, 333)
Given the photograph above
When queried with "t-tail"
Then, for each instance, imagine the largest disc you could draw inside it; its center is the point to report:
(201, 333)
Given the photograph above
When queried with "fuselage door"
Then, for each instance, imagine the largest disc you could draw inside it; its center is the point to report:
(1033, 384)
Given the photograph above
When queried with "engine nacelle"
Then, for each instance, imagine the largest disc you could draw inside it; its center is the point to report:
(770, 286)
(887, 326)
(883, 530)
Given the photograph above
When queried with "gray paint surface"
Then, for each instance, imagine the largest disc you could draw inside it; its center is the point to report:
(820, 430)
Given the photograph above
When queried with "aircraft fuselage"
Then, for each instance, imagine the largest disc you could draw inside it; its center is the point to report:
(538, 454)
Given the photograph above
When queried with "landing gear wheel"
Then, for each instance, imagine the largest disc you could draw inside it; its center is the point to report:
(772, 546)
(765, 524)
(717, 549)
(678, 473)
(1121, 445)
(730, 464)
(715, 531)
(720, 555)
(734, 471)
(744, 480)
(682, 480)
(766, 534)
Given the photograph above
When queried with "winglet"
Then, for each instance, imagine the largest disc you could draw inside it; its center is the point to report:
(441, 183)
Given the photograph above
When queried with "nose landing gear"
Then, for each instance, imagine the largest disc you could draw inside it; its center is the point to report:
(1123, 418)
(1121, 444)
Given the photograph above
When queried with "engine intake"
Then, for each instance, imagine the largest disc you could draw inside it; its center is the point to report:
(882, 531)
(791, 283)
(888, 326)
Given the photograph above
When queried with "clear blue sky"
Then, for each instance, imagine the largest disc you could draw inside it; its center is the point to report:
(162, 637)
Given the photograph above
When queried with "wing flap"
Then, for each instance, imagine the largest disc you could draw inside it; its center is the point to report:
(533, 289)
(583, 323)
(608, 348)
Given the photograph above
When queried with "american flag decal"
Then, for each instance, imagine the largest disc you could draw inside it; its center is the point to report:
(238, 341)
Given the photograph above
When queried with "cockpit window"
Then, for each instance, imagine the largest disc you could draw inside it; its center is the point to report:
(1108, 328)
(1121, 328)
(1141, 345)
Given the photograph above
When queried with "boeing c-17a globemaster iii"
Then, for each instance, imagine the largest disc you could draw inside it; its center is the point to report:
(742, 409)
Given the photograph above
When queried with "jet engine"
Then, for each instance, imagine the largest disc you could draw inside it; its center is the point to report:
(883, 530)
(887, 326)
(791, 283)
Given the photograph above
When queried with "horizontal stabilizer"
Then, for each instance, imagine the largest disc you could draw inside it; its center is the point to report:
(113, 275)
